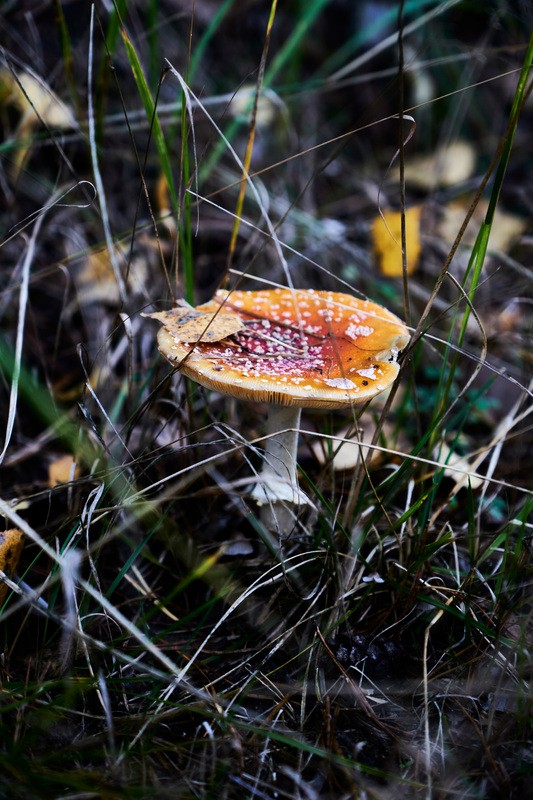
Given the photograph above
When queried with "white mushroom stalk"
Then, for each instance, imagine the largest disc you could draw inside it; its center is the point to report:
(292, 349)
(278, 479)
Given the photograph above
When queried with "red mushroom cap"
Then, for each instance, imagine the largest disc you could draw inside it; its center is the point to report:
(306, 348)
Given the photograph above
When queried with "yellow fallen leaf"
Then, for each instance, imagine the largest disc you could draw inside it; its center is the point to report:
(386, 235)
(11, 543)
(190, 325)
(62, 470)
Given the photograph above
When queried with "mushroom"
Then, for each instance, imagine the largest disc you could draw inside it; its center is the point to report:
(293, 349)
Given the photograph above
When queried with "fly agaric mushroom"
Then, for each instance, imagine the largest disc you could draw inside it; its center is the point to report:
(293, 349)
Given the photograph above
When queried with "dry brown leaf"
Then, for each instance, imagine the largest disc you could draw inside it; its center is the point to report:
(387, 237)
(62, 470)
(189, 325)
(11, 543)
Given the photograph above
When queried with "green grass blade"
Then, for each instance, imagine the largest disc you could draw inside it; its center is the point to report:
(210, 31)
(306, 19)
(479, 251)
(154, 58)
(66, 47)
(375, 30)
(151, 114)
(289, 50)
(43, 405)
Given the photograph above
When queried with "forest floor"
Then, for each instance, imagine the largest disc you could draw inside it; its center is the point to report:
(159, 639)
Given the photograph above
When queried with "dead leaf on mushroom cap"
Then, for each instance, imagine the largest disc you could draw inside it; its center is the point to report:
(189, 325)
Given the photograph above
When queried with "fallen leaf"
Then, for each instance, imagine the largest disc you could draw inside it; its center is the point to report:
(96, 281)
(38, 105)
(446, 166)
(269, 105)
(456, 467)
(189, 325)
(11, 543)
(386, 235)
(512, 318)
(506, 228)
(346, 454)
(163, 205)
(62, 470)
(35, 100)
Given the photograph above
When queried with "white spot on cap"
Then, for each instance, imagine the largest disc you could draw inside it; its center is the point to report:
(367, 373)
(354, 331)
(340, 383)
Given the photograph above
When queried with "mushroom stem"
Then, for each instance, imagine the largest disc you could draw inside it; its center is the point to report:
(278, 482)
